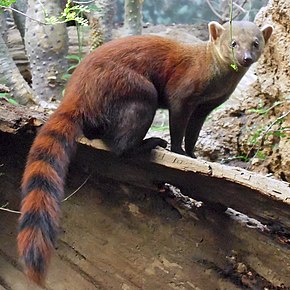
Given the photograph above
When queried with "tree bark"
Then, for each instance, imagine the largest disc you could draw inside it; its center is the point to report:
(9, 73)
(3, 26)
(47, 47)
(133, 17)
(117, 236)
(19, 19)
(105, 17)
(123, 225)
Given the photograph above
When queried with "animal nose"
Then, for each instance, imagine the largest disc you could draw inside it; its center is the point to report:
(247, 60)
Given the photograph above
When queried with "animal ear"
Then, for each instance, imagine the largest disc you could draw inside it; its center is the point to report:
(215, 30)
(267, 32)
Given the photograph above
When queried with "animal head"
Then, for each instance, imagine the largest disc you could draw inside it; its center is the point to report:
(242, 44)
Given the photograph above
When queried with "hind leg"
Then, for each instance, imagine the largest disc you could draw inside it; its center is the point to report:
(149, 144)
(129, 126)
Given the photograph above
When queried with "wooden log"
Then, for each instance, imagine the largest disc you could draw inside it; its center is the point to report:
(123, 236)
(15, 118)
(258, 196)
(119, 236)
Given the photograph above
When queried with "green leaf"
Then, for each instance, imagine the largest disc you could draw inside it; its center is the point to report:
(74, 57)
(13, 102)
(6, 3)
(9, 100)
(279, 134)
(234, 66)
(66, 77)
(72, 67)
(261, 155)
(242, 158)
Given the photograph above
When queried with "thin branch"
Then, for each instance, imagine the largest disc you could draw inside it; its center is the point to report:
(3, 207)
(272, 124)
(15, 10)
(69, 196)
(84, 2)
(214, 11)
(240, 7)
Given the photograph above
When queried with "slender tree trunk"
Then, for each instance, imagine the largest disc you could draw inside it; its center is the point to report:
(105, 17)
(133, 17)
(19, 19)
(11, 77)
(3, 27)
(47, 47)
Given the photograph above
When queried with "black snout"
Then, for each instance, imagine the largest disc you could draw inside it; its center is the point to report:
(247, 59)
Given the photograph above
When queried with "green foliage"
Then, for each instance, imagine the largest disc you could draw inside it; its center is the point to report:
(263, 111)
(70, 13)
(262, 134)
(6, 3)
(256, 136)
(7, 97)
(259, 154)
(234, 66)
(77, 59)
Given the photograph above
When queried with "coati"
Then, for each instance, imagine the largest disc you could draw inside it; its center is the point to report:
(113, 95)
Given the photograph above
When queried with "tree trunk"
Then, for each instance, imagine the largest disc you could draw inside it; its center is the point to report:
(133, 17)
(106, 17)
(3, 27)
(9, 73)
(19, 19)
(47, 47)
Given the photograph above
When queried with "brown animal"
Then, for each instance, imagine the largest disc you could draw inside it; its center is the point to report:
(113, 95)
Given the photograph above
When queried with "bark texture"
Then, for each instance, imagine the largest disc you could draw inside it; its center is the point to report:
(19, 19)
(133, 17)
(9, 73)
(123, 228)
(47, 46)
(101, 22)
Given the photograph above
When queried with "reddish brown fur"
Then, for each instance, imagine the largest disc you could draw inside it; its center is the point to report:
(24, 239)
(43, 168)
(38, 200)
(47, 144)
(113, 95)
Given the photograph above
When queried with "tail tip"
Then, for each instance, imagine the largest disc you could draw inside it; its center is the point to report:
(37, 277)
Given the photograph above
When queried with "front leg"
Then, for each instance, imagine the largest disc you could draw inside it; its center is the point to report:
(194, 126)
(178, 119)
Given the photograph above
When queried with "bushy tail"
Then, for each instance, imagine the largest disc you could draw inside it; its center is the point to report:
(42, 192)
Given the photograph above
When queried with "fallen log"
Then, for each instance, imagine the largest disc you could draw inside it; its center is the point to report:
(125, 228)
(258, 196)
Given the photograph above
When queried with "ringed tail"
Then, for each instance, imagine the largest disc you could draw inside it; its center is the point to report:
(42, 191)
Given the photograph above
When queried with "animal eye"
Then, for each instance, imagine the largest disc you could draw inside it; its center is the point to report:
(256, 43)
(233, 44)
